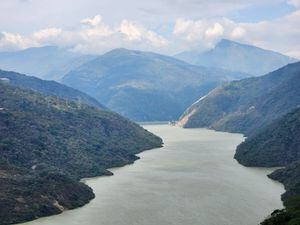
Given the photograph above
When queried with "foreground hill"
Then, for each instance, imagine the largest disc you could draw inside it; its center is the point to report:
(288, 216)
(48, 62)
(48, 144)
(234, 56)
(248, 105)
(145, 86)
(276, 145)
(47, 88)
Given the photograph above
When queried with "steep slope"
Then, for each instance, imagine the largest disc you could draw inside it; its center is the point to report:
(288, 216)
(234, 56)
(48, 144)
(276, 145)
(47, 88)
(248, 105)
(145, 86)
(48, 62)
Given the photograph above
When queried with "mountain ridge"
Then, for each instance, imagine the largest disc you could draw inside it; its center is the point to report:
(144, 85)
(48, 88)
(227, 53)
(247, 105)
(47, 145)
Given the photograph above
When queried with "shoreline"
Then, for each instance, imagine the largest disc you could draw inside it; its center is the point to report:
(84, 180)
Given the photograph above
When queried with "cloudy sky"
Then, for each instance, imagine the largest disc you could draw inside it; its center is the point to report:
(166, 26)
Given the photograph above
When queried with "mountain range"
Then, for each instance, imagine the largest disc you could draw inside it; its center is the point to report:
(234, 56)
(247, 105)
(52, 135)
(145, 86)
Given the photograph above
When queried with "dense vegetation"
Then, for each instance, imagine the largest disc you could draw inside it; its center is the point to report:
(276, 145)
(48, 144)
(234, 56)
(248, 105)
(145, 86)
(290, 215)
(266, 109)
(29, 194)
(47, 88)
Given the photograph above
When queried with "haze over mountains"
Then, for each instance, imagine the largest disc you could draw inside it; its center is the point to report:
(84, 83)
(247, 105)
(55, 134)
(145, 86)
(234, 56)
(48, 62)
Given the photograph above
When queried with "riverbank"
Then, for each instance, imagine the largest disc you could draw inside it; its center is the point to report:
(189, 181)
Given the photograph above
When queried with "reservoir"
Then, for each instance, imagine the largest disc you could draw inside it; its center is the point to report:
(192, 180)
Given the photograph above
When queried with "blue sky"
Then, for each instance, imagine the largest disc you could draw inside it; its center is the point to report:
(264, 11)
(166, 26)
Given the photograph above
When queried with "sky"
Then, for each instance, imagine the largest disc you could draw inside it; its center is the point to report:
(164, 26)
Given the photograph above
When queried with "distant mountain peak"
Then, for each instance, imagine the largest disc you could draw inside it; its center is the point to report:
(145, 85)
(122, 51)
(225, 43)
(251, 59)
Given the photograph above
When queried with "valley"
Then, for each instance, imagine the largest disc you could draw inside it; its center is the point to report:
(63, 136)
(188, 181)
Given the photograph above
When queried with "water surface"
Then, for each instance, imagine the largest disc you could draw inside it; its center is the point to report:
(192, 180)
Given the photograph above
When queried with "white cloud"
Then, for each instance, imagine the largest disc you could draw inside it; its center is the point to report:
(94, 35)
(216, 30)
(130, 30)
(9, 41)
(238, 33)
(31, 15)
(47, 33)
(92, 21)
(295, 3)
(280, 35)
(203, 34)
(95, 28)
(155, 39)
